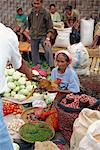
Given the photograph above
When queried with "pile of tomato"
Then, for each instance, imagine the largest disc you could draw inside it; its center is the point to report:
(11, 108)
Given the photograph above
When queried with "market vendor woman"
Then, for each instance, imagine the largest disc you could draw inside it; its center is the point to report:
(64, 71)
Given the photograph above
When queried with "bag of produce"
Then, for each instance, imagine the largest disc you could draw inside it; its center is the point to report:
(81, 124)
(63, 38)
(86, 31)
(92, 138)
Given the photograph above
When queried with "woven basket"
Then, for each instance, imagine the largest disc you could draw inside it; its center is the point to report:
(24, 115)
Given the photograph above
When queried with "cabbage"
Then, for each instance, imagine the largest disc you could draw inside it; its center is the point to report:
(22, 80)
(16, 89)
(13, 93)
(9, 78)
(6, 94)
(16, 75)
(29, 87)
(28, 83)
(22, 87)
(11, 85)
(16, 83)
(23, 91)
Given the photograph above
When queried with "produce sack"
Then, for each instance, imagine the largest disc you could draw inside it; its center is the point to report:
(63, 38)
(81, 124)
(47, 145)
(92, 139)
(68, 111)
(80, 58)
(58, 25)
(86, 31)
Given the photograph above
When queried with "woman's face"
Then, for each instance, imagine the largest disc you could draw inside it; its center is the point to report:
(61, 62)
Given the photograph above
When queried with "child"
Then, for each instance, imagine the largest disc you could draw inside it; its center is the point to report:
(21, 24)
(64, 71)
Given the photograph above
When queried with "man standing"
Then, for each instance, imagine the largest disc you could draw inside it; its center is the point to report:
(41, 28)
(9, 52)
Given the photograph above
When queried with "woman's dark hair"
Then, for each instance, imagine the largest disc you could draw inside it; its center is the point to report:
(69, 7)
(65, 56)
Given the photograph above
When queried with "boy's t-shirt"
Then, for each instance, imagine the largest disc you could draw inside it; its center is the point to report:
(21, 20)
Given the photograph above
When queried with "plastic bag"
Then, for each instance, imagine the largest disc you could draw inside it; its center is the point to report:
(63, 38)
(80, 58)
(86, 31)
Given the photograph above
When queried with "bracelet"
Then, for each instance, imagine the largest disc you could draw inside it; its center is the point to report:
(48, 39)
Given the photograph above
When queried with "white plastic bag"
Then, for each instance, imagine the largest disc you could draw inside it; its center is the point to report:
(80, 58)
(39, 103)
(81, 124)
(86, 31)
(63, 38)
(92, 139)
(58, 25)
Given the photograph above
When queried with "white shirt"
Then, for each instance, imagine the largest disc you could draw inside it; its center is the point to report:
(9, 51)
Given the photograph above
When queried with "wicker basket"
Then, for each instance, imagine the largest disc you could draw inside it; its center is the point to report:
(36, 132)
(24, 115)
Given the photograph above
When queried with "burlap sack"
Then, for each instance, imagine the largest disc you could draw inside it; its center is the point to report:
(47, 145)
(81, 124)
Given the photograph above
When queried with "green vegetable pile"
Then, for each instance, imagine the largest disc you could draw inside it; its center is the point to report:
(36, 132)
(18, 85)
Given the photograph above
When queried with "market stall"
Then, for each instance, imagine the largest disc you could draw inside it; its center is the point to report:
(30, 102)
